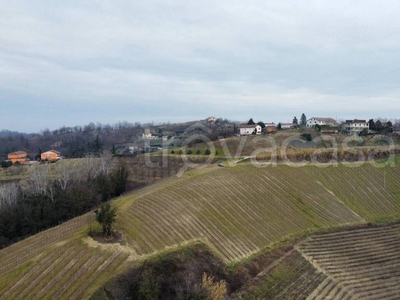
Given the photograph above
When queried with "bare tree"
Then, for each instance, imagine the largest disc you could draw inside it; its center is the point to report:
(9, 194)
(39, 179)
(91, 166)
(105, 161)
(65, 172)
(88, 167)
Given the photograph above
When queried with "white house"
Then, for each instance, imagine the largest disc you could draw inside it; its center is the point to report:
(249, 129)
(354, 127)
(320, 121)
(258, 129)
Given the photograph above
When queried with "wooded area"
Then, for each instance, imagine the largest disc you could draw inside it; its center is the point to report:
(54, 193)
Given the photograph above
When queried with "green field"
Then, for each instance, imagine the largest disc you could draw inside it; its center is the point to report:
(237, 211)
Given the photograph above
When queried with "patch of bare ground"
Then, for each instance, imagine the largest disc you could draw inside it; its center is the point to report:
(114, 244)
(116, 237)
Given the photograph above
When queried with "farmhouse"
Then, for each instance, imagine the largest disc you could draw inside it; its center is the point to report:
(51, 155)
(20, 157)
(354, 127)
(250, 129)
(320, 121)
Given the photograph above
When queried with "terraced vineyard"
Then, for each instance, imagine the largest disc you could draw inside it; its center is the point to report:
(69, 271)
(227, 207)
(353, 264)
(53, 265)
(292, 277)
(360, 189)
(360, 264)
(236, 211)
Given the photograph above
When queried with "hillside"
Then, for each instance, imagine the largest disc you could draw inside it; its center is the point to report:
(121, 138)
(236, 211)
(352, 264)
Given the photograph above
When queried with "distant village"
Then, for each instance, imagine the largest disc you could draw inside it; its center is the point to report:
(323, 125)
(134, 139)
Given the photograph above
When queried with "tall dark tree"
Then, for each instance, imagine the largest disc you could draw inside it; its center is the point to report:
(295, 121)
(262, 124)
(303, 120)
(371, 124)
(388, 127)
(97, 146)
(378, 125)
(251, 122)
(39, 155)
(113, 149)
(105, 216)
(120, 178)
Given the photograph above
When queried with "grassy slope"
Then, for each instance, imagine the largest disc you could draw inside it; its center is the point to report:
(236, 211)
(228, 207)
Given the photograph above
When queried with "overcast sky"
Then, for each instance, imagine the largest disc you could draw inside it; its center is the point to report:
(74, 62)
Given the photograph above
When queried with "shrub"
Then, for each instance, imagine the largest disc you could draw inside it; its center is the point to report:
(214, 290)
(306, 136)
(6, 164)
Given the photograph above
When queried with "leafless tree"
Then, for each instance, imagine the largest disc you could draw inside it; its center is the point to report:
(65, 172)
(92, 166)
(105, 161)
(39, 179)
(9, 194)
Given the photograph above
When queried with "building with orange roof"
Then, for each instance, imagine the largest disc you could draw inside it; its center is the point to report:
(20, 157)
(51, 155)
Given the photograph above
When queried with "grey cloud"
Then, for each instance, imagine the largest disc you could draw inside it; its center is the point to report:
(226, 58)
